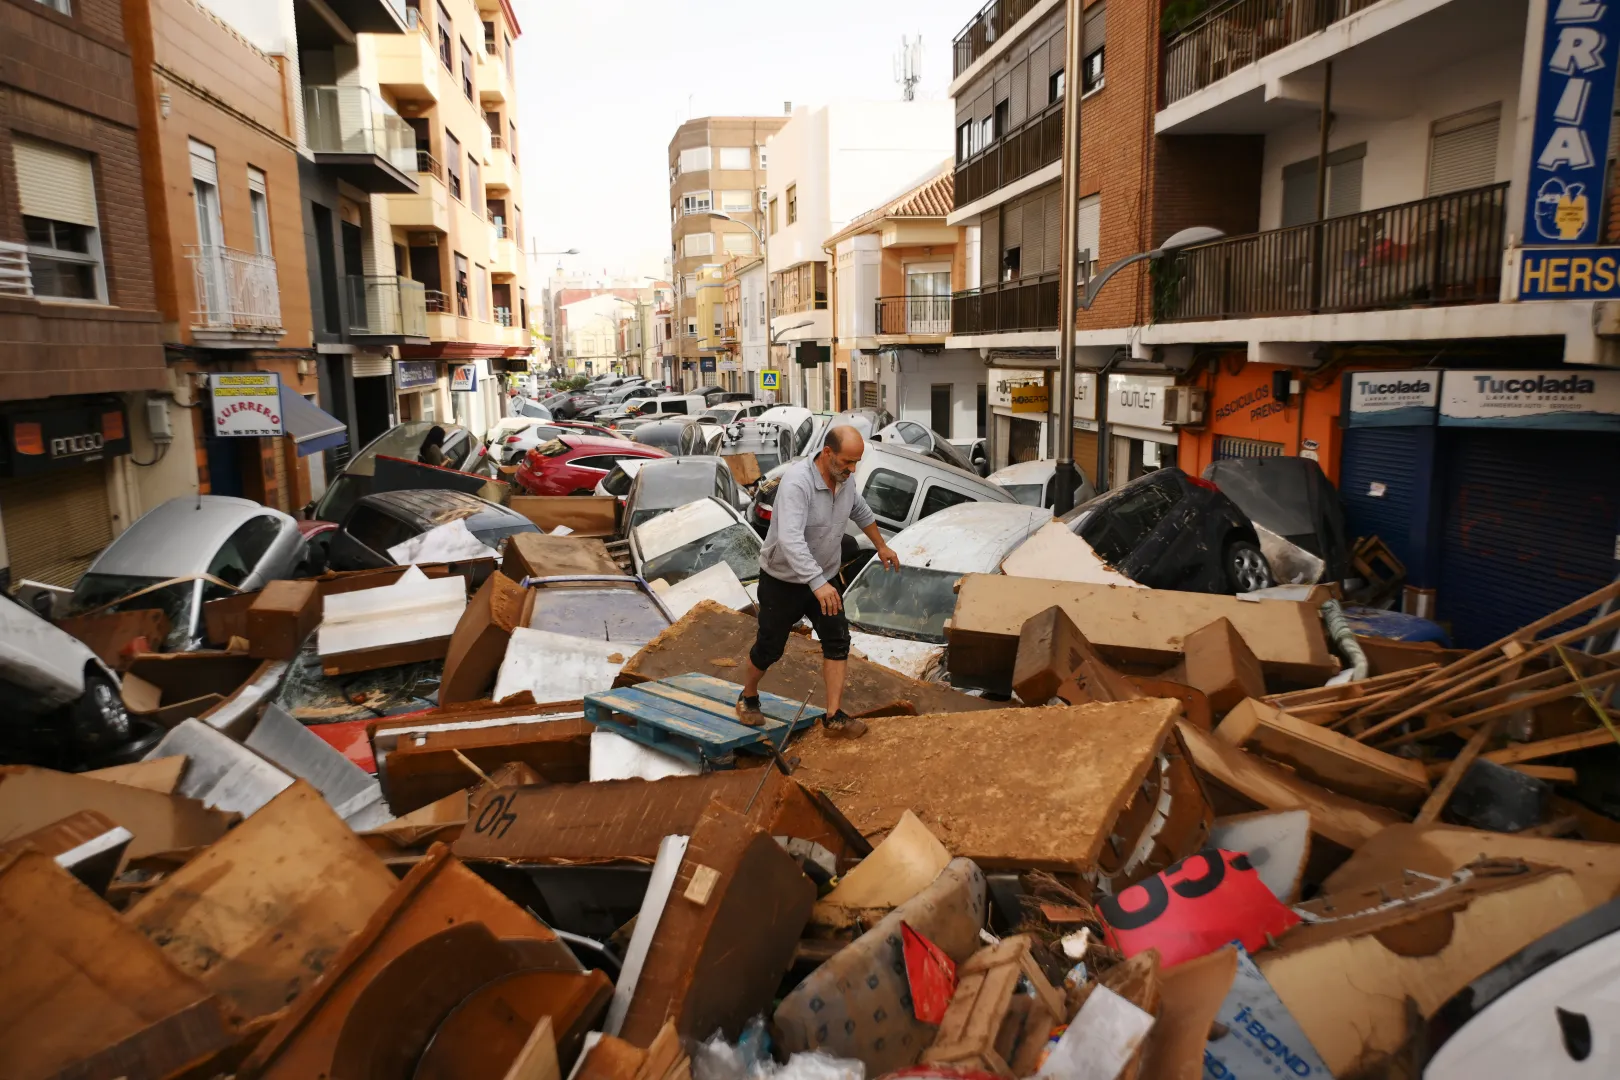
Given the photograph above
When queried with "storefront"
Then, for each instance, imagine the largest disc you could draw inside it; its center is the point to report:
(1139, 441)
(1264, 410)
(1021, 404)
(418, 384)
(56, 512)
(1495, 487)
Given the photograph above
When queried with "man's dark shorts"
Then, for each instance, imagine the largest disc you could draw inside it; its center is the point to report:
(781, 604)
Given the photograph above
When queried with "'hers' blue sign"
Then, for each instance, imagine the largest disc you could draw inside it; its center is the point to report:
(1573, 106)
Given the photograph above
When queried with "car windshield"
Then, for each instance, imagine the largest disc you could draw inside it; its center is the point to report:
(1028, 494)
(177, 601)
(911, 603)
(736, 545)
(402, 441)
(721, 415)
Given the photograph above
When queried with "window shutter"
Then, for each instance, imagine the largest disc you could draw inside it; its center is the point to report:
(1088, 226)
(1054, 229)
(1039, 72)
(1018, 102)
(256, 180)
(1096, 28)
(990, 249)
(1034, 234)
(1013, 229)
(1344, 188)
(54, 182)
(1299, 194)
(1462, 150)
(203, 164)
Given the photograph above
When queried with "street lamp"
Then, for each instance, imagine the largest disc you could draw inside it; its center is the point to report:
(1066, 479)
(759, 241)
(535, 254)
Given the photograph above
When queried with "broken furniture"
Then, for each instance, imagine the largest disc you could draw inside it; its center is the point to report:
(993, 1024)
(407, 621)
(694, 717)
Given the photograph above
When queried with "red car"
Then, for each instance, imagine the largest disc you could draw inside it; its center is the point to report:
(575, 464)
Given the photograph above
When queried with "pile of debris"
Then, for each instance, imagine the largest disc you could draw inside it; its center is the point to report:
(480, 821)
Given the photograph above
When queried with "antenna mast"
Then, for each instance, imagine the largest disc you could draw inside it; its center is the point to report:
(908, 67)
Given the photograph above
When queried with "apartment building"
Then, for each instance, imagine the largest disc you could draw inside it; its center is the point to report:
(452, 79)
(743, 330)
(894, 271)
(717, 168)
(829, 165)
(1415, 287)
(81, 352)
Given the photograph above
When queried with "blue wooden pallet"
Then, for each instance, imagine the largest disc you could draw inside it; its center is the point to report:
(693, 717)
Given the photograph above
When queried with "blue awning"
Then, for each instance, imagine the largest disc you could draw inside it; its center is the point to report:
(311, 428)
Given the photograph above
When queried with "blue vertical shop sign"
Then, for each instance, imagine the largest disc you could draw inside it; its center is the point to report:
(1574, 103)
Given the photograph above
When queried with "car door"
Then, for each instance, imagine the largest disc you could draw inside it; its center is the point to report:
(726, 490)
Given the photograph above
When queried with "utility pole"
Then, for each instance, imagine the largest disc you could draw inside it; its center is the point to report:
(1064, 480)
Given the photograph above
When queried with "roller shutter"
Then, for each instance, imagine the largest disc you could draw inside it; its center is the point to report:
(1054, 229)
(54, 182)
(1085, 454)
(1530, 521)
(1034, 234)
(1385, 460)
(1462, 150)
(56, 524)
(990, 248)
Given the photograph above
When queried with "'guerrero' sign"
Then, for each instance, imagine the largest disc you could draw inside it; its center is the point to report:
(247, 406)
(1570, 148)
(1393, 398)
(1568, 400)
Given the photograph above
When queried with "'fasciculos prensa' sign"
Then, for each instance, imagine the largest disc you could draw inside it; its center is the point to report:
(1575, 98)
(247, 406)
(1568, 400)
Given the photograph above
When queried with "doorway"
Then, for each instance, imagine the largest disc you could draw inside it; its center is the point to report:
(939, 408)
(373, 399)
(843, 389)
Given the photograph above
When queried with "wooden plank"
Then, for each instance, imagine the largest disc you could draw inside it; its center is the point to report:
(1556, 774)
(538, 1058)
(162, 775)
(1334, 817)
(33, 798)
(258, 915)
(1436, 801)
(1018, 787)
(1548, 747)
(1053, 655)
(1506, 708)
(1337, 762)
(1221, 664)
(1440, 850)
(1349, 692)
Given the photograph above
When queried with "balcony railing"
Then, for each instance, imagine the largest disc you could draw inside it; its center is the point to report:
(1028, 303)
(503, 316)
(353, 120)
(1236, 34)
(1033, 145)
(415, 20)
(913, 315)
(427, 163)
(988, 27)
(1442, 250)
(438, 303)
(386, 306)
(495, 141)
(16, 279)
(236, 290)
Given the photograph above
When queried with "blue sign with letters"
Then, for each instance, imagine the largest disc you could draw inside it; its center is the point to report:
(1570, 148)
(1570, 274)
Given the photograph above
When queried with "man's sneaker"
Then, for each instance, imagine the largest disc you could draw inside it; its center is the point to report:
(749, 713)
(841, 725)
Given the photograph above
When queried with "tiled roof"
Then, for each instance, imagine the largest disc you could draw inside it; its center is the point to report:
(935, 197)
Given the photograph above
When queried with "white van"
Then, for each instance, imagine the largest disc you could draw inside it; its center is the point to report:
(668, 405)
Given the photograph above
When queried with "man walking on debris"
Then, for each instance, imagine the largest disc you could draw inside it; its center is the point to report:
(799, 564)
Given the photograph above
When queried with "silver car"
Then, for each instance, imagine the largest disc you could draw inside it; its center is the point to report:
(1030, 482)
(188, 551)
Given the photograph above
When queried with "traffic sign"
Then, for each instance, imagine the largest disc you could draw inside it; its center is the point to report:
(770, 379)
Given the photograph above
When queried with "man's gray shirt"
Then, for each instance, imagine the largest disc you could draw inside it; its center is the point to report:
(805, 542)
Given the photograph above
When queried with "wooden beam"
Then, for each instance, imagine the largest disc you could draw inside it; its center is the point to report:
(1506, 708)
(1437, 799)
(1584, 740)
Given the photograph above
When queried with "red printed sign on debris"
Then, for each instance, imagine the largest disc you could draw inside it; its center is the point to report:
(932, 976)
(1200, 904)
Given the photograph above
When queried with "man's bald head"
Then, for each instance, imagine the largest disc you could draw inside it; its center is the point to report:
(842, 452)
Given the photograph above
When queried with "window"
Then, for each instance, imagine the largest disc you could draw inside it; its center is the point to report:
(259, 204)
(736, 202)
(761, 152)
(482, 281)
(695, 159)
(475, 189)
(737, 243)
(987, 133)
(462, 287)
(1096, 31)
(689, 285)
(889, 494)
(511, 139)
(452, 162)
(1054, 86)
(691, 326)
(762, 200)
(446, 57)
(506, 39)
(1012, 263)
(1088, 229)
(1000, 123)
(695, 245)
(772, 216)
(792, 203)
(466, 69)
(697, 202)
(736, 157)
(1343, 186)
(57, 191)
(517, 226)
(964, 141)
(938, 498)
(719, 323)
(205, 186)
(1462, 150)
(489, 37)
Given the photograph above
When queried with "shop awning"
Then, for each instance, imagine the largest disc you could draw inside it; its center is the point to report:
(311, 428)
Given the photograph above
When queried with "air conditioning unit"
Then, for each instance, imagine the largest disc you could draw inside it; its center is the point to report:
(1186, 406)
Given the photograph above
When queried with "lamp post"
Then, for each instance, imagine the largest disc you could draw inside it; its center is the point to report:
(759, 240)
(1065, 479)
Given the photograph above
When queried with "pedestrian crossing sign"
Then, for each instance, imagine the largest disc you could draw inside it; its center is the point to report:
(770, 380)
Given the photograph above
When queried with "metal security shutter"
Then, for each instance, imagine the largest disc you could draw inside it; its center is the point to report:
(366, 367)
(1084, 448)
(54, 182)
(1530, 520)
(1462, 150)
(1390, 458)
(56, 524)
(1230, 446)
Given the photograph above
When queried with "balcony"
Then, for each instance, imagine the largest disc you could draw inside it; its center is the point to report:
(371, 16)
(498, 170)
(408, 64)
(354, 134)
(1030, 147)
(15, 277)
(492, 86)
(429, 208)
(913, 316)
(1437, 251)
(436, 302)
(1026, 304)
(803, 288)
(989, 26)
(387, 307)
(1236, 34)
(237, 294)
(503, 251)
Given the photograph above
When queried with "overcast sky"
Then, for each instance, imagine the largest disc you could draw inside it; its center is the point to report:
(603, 84)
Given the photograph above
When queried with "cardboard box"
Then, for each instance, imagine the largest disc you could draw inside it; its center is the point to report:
(281, 616)
(478, 645)
(585, 515)
(1221, 664)
(432, 765)
(33, 798)
(538, 555)
(115, 636)
(744, 467)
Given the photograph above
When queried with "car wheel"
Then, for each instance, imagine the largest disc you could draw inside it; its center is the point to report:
(1246, 567)
(100, 722)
